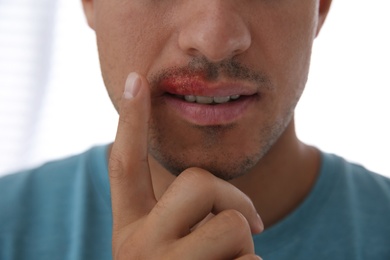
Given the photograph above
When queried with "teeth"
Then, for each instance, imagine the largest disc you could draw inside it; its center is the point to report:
(210, 100)
(190, 98)
(220, 100)
(204, 100)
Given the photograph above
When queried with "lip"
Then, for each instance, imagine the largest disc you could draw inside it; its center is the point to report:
(195, 86)
(208, 114)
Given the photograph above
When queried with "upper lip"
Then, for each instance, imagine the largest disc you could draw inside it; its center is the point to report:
(183, 86)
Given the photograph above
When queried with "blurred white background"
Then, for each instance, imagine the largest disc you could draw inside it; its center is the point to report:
(53, 102)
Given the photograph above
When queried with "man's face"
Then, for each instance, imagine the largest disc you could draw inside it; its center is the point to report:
(247, 60)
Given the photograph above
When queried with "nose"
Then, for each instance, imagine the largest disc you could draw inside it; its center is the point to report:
(214, 29)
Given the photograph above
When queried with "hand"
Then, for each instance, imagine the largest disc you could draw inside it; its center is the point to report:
(144, 228)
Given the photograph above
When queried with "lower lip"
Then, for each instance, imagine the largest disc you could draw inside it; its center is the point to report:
(207, 115)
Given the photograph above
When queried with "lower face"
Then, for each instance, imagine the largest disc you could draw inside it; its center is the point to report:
(228, 139)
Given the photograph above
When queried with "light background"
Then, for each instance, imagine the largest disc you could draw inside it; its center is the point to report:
(63, 108)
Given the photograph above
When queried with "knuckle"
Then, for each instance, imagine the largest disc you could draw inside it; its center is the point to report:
(133, 249)
(119, 163)
(115, 165)
(129, 249)
(250, 257)
(239, 230)
(195, 177)
(124, 117)
(171, 251)
(131, 245)
(237, 223)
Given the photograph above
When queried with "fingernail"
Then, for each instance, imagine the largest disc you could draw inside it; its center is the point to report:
(260, 222)
(132, 86)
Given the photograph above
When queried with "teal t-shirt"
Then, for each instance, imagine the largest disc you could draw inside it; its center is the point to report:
(62, 210)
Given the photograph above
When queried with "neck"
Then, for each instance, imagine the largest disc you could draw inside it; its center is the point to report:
(276, 185)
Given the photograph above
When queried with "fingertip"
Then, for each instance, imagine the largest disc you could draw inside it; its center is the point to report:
(132, 85)
(257, 225)
(135, 97)
(260, 224)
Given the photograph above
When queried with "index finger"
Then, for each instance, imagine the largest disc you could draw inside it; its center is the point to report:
(132, 193)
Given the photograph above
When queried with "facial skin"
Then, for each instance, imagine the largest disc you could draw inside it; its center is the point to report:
(261, 48)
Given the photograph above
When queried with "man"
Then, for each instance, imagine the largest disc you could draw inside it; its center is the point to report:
(206, 156)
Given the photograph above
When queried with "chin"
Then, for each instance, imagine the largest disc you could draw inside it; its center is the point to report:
(221, 164)
(226, 152)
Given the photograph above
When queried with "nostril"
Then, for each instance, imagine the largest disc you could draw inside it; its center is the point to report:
(193, 52)
(216, 34)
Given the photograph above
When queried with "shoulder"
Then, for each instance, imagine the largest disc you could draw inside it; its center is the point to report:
(46, 175)
(356, 178)
(358, 207)
(38, 185)
(50, 209)
(360, 195)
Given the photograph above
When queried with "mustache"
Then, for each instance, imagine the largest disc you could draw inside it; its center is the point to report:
(213, 71)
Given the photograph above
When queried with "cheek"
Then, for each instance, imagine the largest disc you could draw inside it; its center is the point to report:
(287, 52)
(291, 46)
(129, 39)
